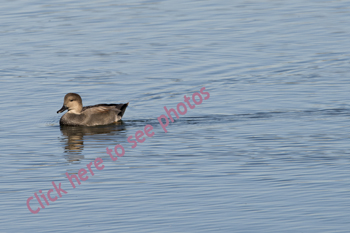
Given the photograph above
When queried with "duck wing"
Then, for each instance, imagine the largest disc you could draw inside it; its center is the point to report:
(104, 108)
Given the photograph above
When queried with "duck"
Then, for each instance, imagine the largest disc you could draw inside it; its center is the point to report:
(100, 114)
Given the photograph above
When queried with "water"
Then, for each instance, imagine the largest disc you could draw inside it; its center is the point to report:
(267, 152)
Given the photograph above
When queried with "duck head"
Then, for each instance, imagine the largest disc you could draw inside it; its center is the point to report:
(73, 103)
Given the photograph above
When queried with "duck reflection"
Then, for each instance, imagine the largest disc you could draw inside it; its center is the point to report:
(74, 137)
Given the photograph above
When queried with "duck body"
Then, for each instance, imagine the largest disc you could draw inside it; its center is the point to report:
(100, 114)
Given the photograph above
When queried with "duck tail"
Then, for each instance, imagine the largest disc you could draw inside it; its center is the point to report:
(122, 109)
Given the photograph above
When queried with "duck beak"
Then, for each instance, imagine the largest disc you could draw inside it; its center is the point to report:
(64, 108)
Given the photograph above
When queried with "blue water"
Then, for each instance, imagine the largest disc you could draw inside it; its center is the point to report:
(267, 152)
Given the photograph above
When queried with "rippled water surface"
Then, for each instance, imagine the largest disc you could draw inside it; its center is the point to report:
(267, 152)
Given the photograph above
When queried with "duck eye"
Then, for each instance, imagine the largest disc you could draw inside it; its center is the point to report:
(71, 100)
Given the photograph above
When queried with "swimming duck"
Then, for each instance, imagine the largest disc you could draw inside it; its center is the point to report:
(100, 114)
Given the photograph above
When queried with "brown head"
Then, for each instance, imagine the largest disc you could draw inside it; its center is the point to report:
(73, 103)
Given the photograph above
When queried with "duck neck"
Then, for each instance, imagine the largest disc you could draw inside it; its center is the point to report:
(76, 111)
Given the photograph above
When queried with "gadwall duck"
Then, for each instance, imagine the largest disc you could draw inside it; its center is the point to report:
(100, 114)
